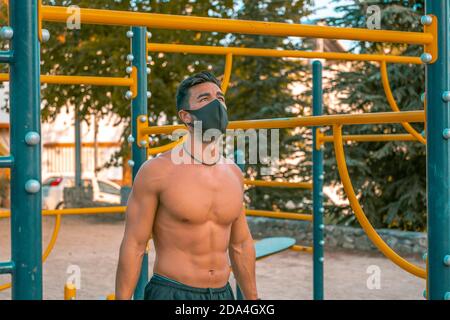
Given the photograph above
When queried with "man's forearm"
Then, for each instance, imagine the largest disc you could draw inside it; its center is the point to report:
(242, 259)
(128, 270)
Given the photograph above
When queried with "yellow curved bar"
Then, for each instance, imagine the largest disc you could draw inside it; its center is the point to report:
(393, 104)
(359, 213)
(52, 242)
(282, 184)
(260, 52)
(164, 148)
(279, 215)
(227, 72)
(49, 248)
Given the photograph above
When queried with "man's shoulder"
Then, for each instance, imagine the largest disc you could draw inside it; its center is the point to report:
(233, 167)
(160, 164)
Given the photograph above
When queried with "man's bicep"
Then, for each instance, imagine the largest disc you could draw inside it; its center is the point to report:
(240, 231)
(141, 209)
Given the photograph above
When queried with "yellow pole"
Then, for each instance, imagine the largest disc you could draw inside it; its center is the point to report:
(81, 80)
(282, 184)
(257, 52)
(302, 248)
(164, 148)
(327, 120)
(279, 215)
(70, 292)
(393, 104)
(227, 72)
(372, 137)
(179, 22)
(359, 213)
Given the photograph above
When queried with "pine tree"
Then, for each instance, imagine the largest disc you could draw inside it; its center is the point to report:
(389, 178)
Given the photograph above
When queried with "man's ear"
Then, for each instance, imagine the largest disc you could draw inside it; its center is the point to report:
(185, 116)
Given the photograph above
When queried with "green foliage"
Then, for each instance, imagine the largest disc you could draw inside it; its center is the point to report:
(259, 88)
(389, 178)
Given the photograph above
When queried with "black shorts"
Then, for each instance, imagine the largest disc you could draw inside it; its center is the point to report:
(163, 288)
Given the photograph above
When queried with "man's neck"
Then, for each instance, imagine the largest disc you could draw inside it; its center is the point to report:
(204, 152)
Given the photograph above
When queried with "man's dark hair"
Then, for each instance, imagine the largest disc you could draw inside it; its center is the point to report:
(188, 83)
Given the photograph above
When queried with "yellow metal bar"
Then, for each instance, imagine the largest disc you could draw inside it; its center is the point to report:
(279, 215)
(50, 245)
(393, 104)
(301, 248)
(432, 47)
(179, 22)
(372, 137)
(70, 292)
(52, 242)
(347, 119)
(81, 80)
(257, 52)
(359, 213)
(75, 211)
(39, 20)
(282, 184)
(227, 72)
(169, 146)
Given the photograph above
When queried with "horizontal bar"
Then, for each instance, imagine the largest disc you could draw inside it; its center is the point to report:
(373, 137)
(75, 211)
(122, 209)
(282, 184)
(327, 120)
(179, 22)
(279, 215)
(6, 162)
(6, 267)
(253, 52)
(302, 248)
(6, 56)
(80, 80)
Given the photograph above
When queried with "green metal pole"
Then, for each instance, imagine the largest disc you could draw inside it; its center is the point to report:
(139, 107)
(78, 160)
(438, 149)
(318, 226)
(26, 228)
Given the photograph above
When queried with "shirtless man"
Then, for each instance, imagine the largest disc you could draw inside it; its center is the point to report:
(193, 210)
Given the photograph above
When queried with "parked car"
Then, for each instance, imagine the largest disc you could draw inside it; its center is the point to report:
(53, 190)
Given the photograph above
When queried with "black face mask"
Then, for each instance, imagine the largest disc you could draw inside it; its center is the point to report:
(213, 116)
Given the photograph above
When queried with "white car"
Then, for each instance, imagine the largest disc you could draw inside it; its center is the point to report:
(53, 191)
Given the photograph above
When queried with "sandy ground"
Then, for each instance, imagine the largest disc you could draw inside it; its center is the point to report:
(91, 244)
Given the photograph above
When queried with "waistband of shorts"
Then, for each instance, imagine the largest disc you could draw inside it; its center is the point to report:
(162, 280)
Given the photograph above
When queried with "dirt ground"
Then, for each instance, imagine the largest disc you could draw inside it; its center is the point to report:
(90, 244)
